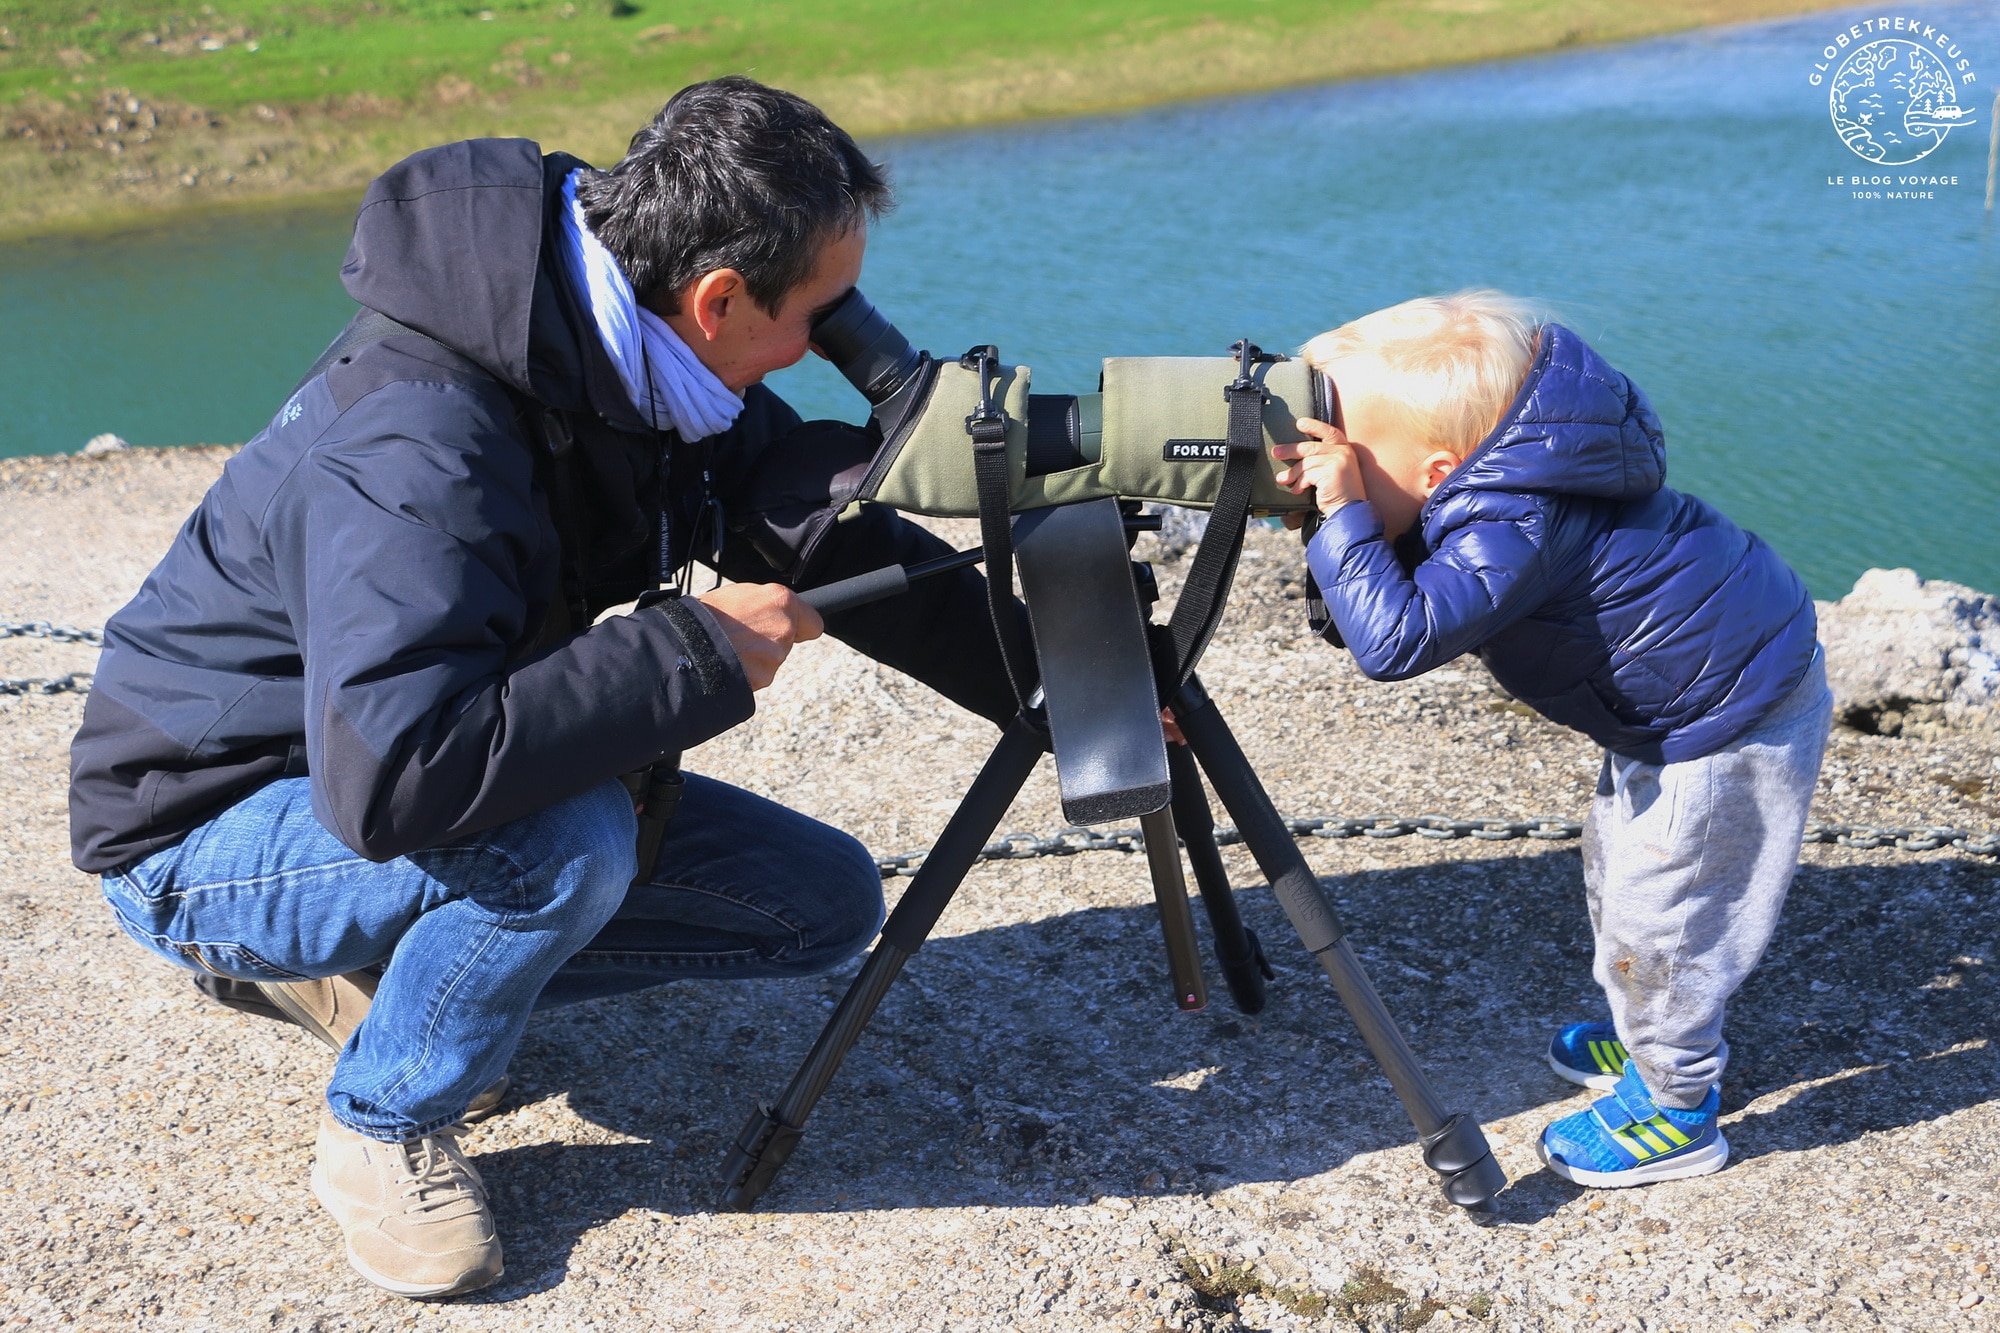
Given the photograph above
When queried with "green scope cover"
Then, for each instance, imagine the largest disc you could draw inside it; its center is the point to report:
(1158, 431)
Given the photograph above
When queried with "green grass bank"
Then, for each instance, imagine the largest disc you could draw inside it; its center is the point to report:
(117, 111)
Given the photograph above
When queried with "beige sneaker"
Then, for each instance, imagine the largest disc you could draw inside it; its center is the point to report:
(332, 1007)
(414, 1214)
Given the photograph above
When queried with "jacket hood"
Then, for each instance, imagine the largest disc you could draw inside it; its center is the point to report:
(458, 242)
(1577, 427)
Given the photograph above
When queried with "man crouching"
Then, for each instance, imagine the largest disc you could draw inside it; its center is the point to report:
(357, 741)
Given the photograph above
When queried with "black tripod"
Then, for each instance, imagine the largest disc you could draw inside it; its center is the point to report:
(1078, 583)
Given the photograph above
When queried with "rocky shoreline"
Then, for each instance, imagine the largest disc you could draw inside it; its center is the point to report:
(1030, 1137)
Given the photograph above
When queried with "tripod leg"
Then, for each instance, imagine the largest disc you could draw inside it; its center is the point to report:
(772, 1132)
(1163, 858)
(1237, 949)
(1454, 1146)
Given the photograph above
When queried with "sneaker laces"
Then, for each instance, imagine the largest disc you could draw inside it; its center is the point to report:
(437, 1175)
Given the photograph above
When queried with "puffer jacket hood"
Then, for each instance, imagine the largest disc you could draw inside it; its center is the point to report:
(1576, 427)
(1594, 592)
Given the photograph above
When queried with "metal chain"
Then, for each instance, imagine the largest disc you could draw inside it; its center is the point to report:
(1070, 841)
(76, 682)
(42, 629)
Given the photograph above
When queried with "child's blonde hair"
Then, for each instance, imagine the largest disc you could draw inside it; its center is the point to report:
(1450, 365)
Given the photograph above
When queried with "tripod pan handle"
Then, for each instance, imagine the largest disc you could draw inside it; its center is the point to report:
(874, 586)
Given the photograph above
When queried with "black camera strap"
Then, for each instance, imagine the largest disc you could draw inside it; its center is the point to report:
(1206, 591)
(988, 428)
(1318, 619)
(655, 789)
(656, 792)
(1326, 406)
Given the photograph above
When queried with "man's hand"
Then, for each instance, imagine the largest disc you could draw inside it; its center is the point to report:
(763, 621)
(1326, 463)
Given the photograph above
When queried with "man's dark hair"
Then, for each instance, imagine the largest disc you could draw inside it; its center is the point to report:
(730, 174)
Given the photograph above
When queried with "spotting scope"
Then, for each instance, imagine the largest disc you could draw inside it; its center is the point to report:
(1155, 430)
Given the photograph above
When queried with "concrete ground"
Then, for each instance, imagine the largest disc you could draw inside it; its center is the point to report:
(1030, 1137)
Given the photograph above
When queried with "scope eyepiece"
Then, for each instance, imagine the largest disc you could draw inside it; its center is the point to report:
(866, 348)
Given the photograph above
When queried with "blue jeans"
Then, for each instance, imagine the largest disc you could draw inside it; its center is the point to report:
(474, 935)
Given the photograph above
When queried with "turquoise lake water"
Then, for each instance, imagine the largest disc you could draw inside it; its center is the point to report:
(1824, 364)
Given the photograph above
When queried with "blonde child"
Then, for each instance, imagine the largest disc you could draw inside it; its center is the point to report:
(1494, 487)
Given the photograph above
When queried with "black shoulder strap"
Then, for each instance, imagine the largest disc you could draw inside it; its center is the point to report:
(1318, 619)
(367, 326)
(988, 428)
(1326, 407)
(1205, 593)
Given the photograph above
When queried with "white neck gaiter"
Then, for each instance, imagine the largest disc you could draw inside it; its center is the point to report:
(663, 377)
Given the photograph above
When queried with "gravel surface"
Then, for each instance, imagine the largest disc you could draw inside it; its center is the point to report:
(1030, 1136)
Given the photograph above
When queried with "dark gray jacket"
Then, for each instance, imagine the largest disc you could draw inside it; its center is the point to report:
(373, 593)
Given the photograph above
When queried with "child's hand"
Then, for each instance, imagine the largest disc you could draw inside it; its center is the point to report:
(1326, 463)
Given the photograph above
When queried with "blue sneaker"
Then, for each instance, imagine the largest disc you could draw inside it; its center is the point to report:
(1588, 1054)
(1625, 1139)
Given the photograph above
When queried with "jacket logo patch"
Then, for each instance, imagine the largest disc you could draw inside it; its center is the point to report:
(291, 412)
(1195, 451)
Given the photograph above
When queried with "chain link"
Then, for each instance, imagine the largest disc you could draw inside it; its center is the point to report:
(1071, 841)
(76, 682)
(42, 629)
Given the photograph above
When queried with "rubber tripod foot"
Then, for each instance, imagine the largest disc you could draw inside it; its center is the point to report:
(760, 1149)
(1459, 1154)
(1245, 976)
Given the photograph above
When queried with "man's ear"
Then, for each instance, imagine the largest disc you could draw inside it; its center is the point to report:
(712, 298)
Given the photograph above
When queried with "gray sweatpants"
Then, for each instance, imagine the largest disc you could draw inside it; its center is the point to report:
(1685, 867)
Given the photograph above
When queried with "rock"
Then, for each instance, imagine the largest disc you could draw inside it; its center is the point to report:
(1180, 529)
(106, 443)
(1914, 657)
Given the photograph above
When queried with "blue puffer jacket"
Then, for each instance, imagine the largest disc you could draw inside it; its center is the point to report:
(1635, 614)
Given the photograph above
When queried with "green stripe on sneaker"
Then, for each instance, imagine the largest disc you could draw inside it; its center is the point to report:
(1656, 1137)
(1654, 1140)
(1668, 1130)
(1633, 1144)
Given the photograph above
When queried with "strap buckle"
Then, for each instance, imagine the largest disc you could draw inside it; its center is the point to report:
(988, 423)
(556, 431)
(1248, 356)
